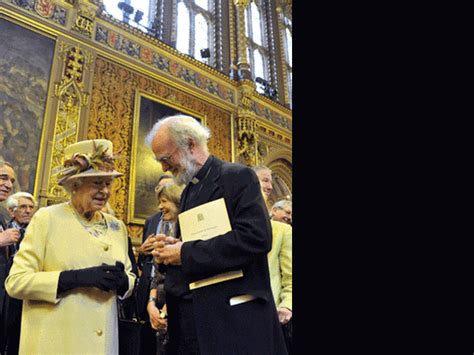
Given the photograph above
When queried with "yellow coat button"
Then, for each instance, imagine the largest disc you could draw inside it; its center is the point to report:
(106, 248)
(99, 332)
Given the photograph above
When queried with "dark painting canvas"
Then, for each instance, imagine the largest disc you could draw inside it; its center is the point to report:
(145, 169)
(25, 65)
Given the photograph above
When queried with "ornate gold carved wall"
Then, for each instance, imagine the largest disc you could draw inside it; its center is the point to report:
(72, 100)
(99, 65)
(112, 111)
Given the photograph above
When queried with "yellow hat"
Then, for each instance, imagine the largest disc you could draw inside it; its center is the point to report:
(88, 158)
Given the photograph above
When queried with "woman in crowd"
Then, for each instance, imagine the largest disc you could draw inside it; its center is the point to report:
(73, 262)
(168, 196)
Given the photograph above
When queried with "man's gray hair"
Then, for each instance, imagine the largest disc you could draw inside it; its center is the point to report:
(282, 204)
(260, 168)
(4, 162)
(13, 200)
(181, 129)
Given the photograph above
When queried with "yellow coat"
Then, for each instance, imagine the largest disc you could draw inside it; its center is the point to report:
(83, 320)
(280, 264)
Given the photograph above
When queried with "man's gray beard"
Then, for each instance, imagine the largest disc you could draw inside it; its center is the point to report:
(190, 169)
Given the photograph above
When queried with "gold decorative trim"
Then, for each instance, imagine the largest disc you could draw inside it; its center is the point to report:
(273, 105)
(232, 42)
(38, 24)
(247, 140)
(75, 64)
(135, 232)
(105, 18)
(72, 101)
(41, 9)
(273, 134)
(83, 25)
(232, 136)
(246, 125)
(241, 3)
(242, 61)
(164, 64)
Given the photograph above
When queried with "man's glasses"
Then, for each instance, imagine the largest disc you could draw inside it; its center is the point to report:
(25, 207)
(167, 159)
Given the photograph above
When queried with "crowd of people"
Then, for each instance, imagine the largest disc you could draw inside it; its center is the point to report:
(64, 268)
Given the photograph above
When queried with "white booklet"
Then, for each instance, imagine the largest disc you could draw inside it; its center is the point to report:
(205, 221)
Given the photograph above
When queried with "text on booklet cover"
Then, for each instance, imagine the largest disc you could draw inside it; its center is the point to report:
(205, 221)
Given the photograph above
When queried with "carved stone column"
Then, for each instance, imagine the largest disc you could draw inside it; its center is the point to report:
(232, 42)
(243, 66)
(247, 135)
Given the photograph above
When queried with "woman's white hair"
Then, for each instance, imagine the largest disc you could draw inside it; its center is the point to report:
(170, 191)
(13, 200)
(181, 129)
(282, 204)
(71, 184)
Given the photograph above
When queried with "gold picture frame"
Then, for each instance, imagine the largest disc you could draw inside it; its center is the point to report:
(144, 169)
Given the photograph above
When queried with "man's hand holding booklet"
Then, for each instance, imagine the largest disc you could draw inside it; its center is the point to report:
(202, 223)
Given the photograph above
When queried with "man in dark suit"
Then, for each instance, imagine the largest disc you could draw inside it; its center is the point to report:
(21, 206)
(237, 316)
(145, 263)
(8, 236)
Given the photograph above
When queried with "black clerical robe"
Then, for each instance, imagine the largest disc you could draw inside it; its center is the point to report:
(247, 328)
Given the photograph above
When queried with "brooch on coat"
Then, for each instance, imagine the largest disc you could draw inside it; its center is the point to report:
(114, 226)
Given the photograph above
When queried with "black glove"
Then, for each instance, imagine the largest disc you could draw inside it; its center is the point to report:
(122, 279)
(104, 277)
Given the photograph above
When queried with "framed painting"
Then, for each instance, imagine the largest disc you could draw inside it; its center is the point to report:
(144, 169)
(26, 57)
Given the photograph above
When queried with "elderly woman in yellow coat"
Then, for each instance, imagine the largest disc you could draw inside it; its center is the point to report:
(73, 262)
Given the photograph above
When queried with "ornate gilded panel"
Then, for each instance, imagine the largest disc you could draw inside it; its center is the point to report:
(150, 56)
(72, 100)
(111, 117)
(94, 97)
(272, 116)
